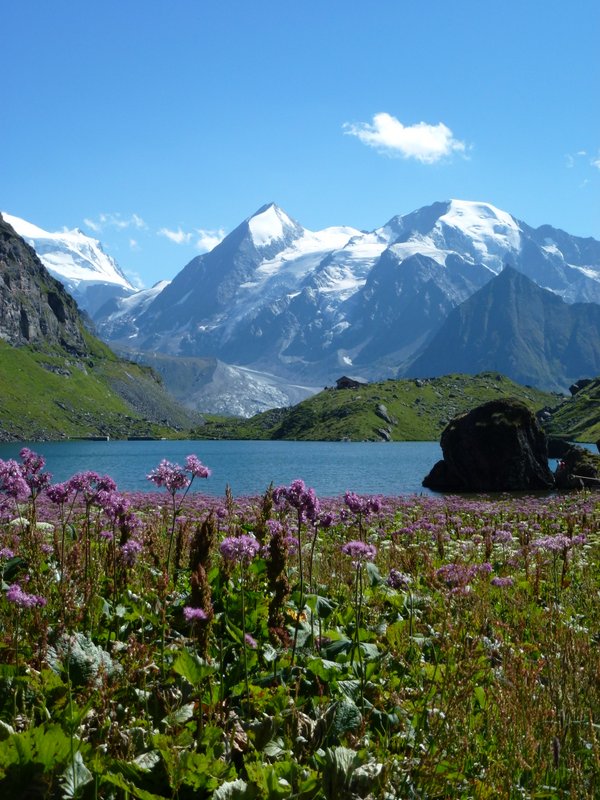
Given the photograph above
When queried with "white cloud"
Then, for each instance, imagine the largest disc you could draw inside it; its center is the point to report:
(93, 225)
(423, 142)
(178, 236)
(595, 162)
(134, 244)
(135, 279)
(203, 240)
(115, 220)
(207, 240)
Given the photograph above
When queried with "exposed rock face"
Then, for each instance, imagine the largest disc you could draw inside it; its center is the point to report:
(579, 385)
(496, 447)
(557, 447)
(34, 307)
(577, 469)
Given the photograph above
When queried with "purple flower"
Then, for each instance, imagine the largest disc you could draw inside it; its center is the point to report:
(326, 520)
(16, 595)
(239, 549)
(274, 527)
(250, 641)
(12, 481)
(297, 496)
(6, 553)
(362, 505)
(113, 503)
(173, 477)
(32, 471)
(196, 468)
(359, 551)
(398, 580)
(90, 484)
(192, 614)
(502, 583)
(59, 493)
(553, 544)
(130, 551)
(170, 476)
(458, 576)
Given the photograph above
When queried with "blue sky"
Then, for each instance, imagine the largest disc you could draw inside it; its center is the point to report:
(160, 126)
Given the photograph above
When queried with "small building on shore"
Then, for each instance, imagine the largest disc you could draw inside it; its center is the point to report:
(349, 383)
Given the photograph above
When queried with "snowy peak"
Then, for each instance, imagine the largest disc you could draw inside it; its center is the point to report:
(78, 261)
(71, 256)
(479, 230)
(483, 223)
(270, 224)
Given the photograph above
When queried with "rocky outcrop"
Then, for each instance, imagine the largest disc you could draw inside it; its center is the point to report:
(578, 469)
(496, 447)
(34, 307)
(557, 447)
(579, 385)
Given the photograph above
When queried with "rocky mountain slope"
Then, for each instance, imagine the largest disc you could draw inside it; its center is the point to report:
(305, 306)
(56, 379)
(512, 325)
(78, 261)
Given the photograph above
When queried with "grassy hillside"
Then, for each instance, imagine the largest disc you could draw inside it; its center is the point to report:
(45, 394)
(397, 410)
(578, 418)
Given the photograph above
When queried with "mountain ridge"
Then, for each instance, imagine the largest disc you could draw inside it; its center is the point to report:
(519, 329)
(78, 261)
(304, 306)
(57, 379)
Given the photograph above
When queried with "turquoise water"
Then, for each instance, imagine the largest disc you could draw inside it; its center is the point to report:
(389, 468)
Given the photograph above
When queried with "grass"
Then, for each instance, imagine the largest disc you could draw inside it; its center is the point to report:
(285, 646)
(398, 410)
(579, 418)
(45, 394)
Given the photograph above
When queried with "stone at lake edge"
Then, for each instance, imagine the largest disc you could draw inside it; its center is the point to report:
(496, 447)
(578, 468)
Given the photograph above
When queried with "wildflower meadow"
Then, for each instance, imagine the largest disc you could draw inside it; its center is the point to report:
(171, 644)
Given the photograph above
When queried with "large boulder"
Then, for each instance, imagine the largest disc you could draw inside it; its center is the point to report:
(557, 447)
(496, 447)
(577, 469)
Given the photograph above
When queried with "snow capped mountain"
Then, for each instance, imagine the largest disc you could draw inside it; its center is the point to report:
(120, 313)
(90, 275)
(302, 305)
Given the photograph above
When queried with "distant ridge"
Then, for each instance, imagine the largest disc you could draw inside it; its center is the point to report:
(513, 326)
(302, 307)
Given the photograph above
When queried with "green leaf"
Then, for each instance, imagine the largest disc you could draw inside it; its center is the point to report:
(324, 669)
(333, 649)
(480, 696)
(134, 791)
(77, 655)
(320, 606)
(347, 717)
(269, 653)
(374, 575)
(75, 777)
(370, 651)
(147, 761)
(234, 790)
(48, 747)
(191, 667)
(180, 716)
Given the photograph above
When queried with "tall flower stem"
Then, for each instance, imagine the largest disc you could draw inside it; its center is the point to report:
(358, 599)
(301, 600)
(244, 643)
